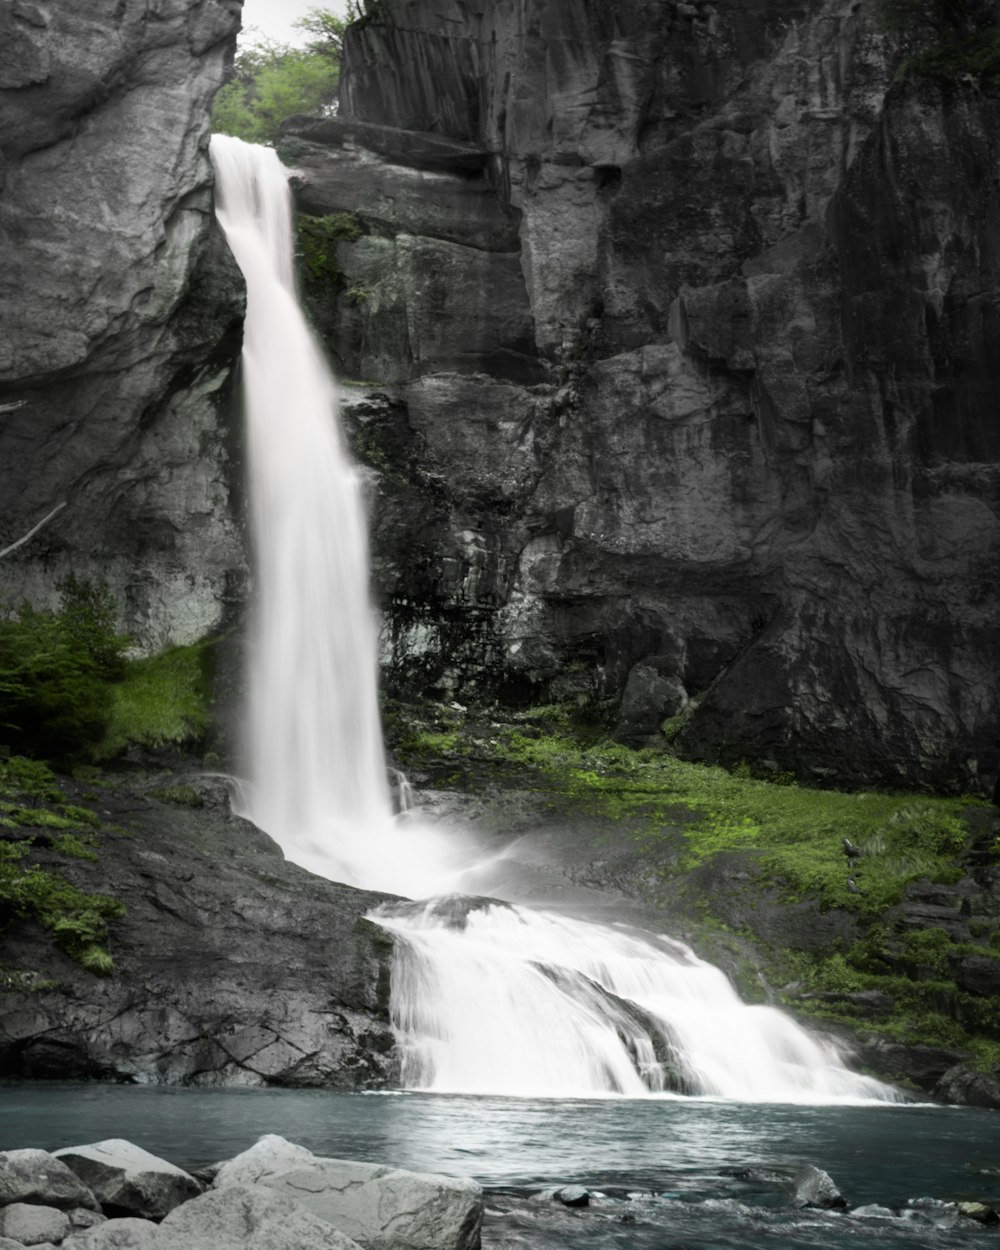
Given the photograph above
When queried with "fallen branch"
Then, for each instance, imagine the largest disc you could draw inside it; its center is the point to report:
(33, 531)
(18, 403)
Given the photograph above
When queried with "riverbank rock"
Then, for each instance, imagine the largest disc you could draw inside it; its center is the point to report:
(379, 1207)
(128, 1180)
(232, 966)
(31, 1224)
(36, 1176)
(126, 1233)
(239, 1217)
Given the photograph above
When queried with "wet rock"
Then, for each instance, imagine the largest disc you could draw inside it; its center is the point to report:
(978, 974)
(872, 1211)
(129, 1180)
(35, 1176)
(31, 1224)
(914, 1061)
(572, 1196)
(967, 1087)
(812, 1187)
(239, 1217)
(979, 1212)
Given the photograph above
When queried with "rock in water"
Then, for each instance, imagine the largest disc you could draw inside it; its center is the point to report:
(39, 1177)
(126, 1178)
(240, 1217)
(979, 1212)
(573, 1196)
(812, 1187)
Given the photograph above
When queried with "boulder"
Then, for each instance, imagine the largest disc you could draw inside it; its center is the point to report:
(979, 1212)
(128, 1233)
(81, 1217)
(967, 1087)
(31, 1224)
(8, 1243)
(385, 1209)
(812, 1187)
(37, 1176)
(572, 1196)
(126, 1178)
(979, 974)
(240, 1217)
(268, 1156)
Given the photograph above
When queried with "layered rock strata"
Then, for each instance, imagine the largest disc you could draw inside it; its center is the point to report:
(683, 322)
(120, 310)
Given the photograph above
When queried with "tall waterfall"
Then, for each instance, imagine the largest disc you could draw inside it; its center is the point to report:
(486, 997)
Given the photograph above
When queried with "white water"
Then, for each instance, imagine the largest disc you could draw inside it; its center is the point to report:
(486, 998)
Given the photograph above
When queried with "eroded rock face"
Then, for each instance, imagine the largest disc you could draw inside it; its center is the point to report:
(120, 309)
(232, 967)
(687, 318)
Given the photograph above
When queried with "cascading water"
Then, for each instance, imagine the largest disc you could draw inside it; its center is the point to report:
(486, 997)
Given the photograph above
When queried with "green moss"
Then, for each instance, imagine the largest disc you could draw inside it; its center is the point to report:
(75, 847)
(179, 795)
(795, 833)
(317, 239)
(77, 922)
(161, 701)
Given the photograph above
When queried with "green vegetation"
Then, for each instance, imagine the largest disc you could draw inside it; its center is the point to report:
(77, 922)
(946, 40)
(272, 81)
(56, 672)
(161, 701)
(316, 245)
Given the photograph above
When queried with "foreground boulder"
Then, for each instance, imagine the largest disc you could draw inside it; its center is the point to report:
(39, 1177)
(243, 1218)
(128, 1233)
(129, 1180)
(380, 1208)
(30, 1224)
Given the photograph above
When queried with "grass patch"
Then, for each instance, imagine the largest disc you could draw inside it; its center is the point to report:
(161, 701)
(796, 833)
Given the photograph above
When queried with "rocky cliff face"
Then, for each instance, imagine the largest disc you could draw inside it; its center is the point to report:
(684, 328)
(120, 309)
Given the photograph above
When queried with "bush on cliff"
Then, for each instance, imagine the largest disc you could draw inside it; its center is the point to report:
(56, 670)
(946, 40)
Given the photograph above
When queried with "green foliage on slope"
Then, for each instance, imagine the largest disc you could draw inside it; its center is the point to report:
(945, 40)
(30, 796)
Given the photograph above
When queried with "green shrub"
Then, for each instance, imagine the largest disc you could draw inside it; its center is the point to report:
(55, 672)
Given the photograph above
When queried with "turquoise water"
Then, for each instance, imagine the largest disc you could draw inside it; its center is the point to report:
(675, 1157)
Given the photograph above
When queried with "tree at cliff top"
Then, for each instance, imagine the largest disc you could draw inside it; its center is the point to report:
(946, 39)
(273, 81)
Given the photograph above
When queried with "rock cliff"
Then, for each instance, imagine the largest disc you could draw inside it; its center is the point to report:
(120, 309)
(675, 324)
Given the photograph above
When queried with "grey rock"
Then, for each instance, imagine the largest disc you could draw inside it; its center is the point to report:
(240, 1217)
(979, 974)
(385, 1209)
(39, 1177)
(573, 1196)
(964, 1085)
(922, 1064)
(216, 922)
(812, 1187)
(31, 1224)
(120, 309)
(268, 1156)
(872, 1211)
(127, 1233)
(81, 1217)
(129, 1180)
(979, 1212)
(692, 482)
(7, 1243)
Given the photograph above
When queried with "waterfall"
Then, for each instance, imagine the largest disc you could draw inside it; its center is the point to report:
(486, 996)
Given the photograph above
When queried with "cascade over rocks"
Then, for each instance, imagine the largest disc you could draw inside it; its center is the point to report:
(120, 310)
(692, 398)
